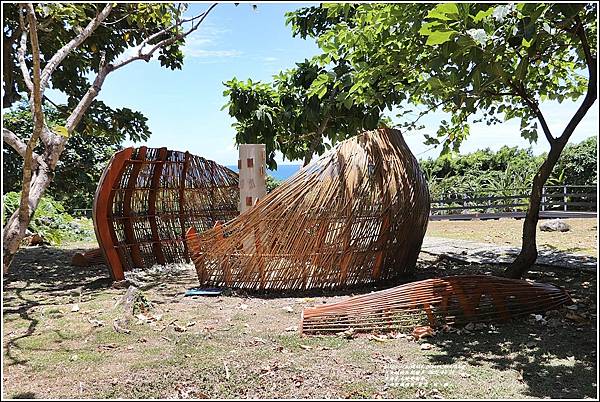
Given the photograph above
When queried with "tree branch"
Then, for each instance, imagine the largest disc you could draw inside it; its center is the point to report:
(165, 42)
(105, 69)
(26, 207)
(73, 43)
(93, 91)
(20, 147)
(533, 105)
(21, 53)
(592, 90)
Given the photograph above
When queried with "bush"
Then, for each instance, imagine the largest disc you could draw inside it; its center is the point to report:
(50, 220)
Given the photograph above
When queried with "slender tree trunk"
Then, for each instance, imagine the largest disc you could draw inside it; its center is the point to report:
(315, 141)
(528, 254)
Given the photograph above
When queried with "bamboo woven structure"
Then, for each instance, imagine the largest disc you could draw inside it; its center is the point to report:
(147, 197)
(356, 215)
(435, 302)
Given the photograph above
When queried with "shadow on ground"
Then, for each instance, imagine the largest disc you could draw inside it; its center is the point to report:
(38, 277)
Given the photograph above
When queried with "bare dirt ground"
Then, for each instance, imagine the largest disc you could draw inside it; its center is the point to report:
(59, 342)
(582, 238)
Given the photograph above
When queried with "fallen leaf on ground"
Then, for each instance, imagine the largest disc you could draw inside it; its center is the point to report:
(422, 332)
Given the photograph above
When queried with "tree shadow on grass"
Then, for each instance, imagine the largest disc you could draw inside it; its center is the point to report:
(43, 276)
(555, 362)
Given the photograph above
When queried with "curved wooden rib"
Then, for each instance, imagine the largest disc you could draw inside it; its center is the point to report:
(147, 196)
(102, 208)
(356, 215)
(434, 302)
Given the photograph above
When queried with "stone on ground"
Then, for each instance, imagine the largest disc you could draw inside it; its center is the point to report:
(554, 225)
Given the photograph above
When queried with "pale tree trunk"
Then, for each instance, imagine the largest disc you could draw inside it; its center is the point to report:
(38, 170)
(529, 253)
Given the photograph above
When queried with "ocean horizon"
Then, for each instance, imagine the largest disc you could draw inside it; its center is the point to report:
(282, 172)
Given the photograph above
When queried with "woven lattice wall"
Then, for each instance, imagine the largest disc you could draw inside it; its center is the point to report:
(356, 215)
(148, 196)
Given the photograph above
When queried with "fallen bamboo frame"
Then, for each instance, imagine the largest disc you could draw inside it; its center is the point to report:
(356, 215)
(147, 197)
(435, 302)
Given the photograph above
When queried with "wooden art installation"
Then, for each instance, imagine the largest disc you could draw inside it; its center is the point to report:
(148, 197)
(355, 215)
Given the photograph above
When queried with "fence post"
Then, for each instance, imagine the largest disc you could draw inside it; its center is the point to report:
(565, 197)
(544, 198)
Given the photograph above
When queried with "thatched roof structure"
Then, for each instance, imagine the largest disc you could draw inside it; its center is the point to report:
(356, 215)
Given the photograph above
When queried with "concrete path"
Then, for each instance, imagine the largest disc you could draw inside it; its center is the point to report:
(486, 253)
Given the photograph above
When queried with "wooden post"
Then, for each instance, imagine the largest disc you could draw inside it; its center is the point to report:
(184, 171)
(565, 197)
(544, 198)
(252, 175)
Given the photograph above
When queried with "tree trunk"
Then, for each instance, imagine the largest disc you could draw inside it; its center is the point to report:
(16, 226)
(528, 254)
(315, 141)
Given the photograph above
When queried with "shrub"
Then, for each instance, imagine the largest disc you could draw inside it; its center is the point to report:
(50, 220)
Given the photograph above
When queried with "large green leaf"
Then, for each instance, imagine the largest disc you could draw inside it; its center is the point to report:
(439, 37)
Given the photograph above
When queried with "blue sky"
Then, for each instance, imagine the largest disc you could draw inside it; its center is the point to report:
(183, 106)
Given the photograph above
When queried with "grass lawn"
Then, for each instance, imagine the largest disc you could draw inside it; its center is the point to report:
(241, 346)
(582, 238)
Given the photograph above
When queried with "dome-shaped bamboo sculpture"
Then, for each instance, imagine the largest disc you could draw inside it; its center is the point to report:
(356, 215)
(147, 197)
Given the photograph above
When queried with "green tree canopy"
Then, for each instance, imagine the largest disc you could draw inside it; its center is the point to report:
(299, 110)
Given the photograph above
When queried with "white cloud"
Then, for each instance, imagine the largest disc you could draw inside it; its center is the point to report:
(204, 42)
(200, 44)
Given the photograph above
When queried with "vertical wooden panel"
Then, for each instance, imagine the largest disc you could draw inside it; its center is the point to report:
(154, 187)
(102, 209)
(184, 170)
(134, 247)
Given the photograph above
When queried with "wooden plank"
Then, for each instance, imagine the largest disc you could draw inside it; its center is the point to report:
(102, 208)
(136, 255)
(183, 177)
(156, 174)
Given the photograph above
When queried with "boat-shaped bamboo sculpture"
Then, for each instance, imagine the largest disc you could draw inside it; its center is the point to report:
(435, 302)
(356, 215)
(147, 197)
